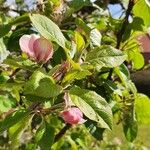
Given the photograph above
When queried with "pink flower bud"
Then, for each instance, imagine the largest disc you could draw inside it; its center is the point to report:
(39, 49)
(73, 115)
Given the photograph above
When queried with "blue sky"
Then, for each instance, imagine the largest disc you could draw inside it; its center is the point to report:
(115, 10)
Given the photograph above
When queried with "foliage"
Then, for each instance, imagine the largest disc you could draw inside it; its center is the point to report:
(89, 69)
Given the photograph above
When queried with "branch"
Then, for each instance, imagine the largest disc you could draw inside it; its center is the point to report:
(125, 23)
(122, 30)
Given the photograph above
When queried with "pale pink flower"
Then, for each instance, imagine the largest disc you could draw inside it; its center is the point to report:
(36, 47)
(73, 115)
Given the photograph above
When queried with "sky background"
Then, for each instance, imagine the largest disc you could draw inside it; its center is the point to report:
(115, 10)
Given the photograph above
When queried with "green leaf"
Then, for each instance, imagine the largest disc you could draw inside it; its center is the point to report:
(112, 87)
(145, 15)
(130, 130)
(83, 25)
(3, 52)
(4, 29)
(20, 62)
(138, 61)
(142, 105)
(95, 38)
(132, 28)
(40, 131)
(48, 29)
(47, 138)
(78, 4)
(42, 85)
(131, 87)
(133, 24)
(13, 41)
(125, 79)
(133, 51)
(12, 119)
(130, 126)
(93, 106)
(125, 70)
(72, 143)
(17, 130)
(6, 103)
(20, 20)
(105, 56)
(94, 130)
(79, 41)
(75, 74)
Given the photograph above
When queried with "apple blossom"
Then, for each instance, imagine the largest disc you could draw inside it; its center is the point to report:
(36, 47)
(73, 115)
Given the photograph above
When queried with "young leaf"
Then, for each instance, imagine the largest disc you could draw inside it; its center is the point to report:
(138, 60)
(42, 85)
(142, 104)
(105, 56)
(145, 15)
(125, 79)
(93, 106)
(79, 41)
(48, 29)
(130, 126)
(75, 74)
(95, 38)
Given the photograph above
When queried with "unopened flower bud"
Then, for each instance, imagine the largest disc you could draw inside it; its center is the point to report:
(73, 115)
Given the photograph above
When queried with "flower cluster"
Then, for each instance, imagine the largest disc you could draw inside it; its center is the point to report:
(41, 50)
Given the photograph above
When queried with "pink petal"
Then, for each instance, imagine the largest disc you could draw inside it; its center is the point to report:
(77, 111)
(73, 115)
(43, 49)
(26, 43)
(33, 38)
(82, 121)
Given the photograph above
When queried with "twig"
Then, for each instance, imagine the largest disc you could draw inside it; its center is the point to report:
(6, 114)
(14, 72)
(52, 109)
(62, 132)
